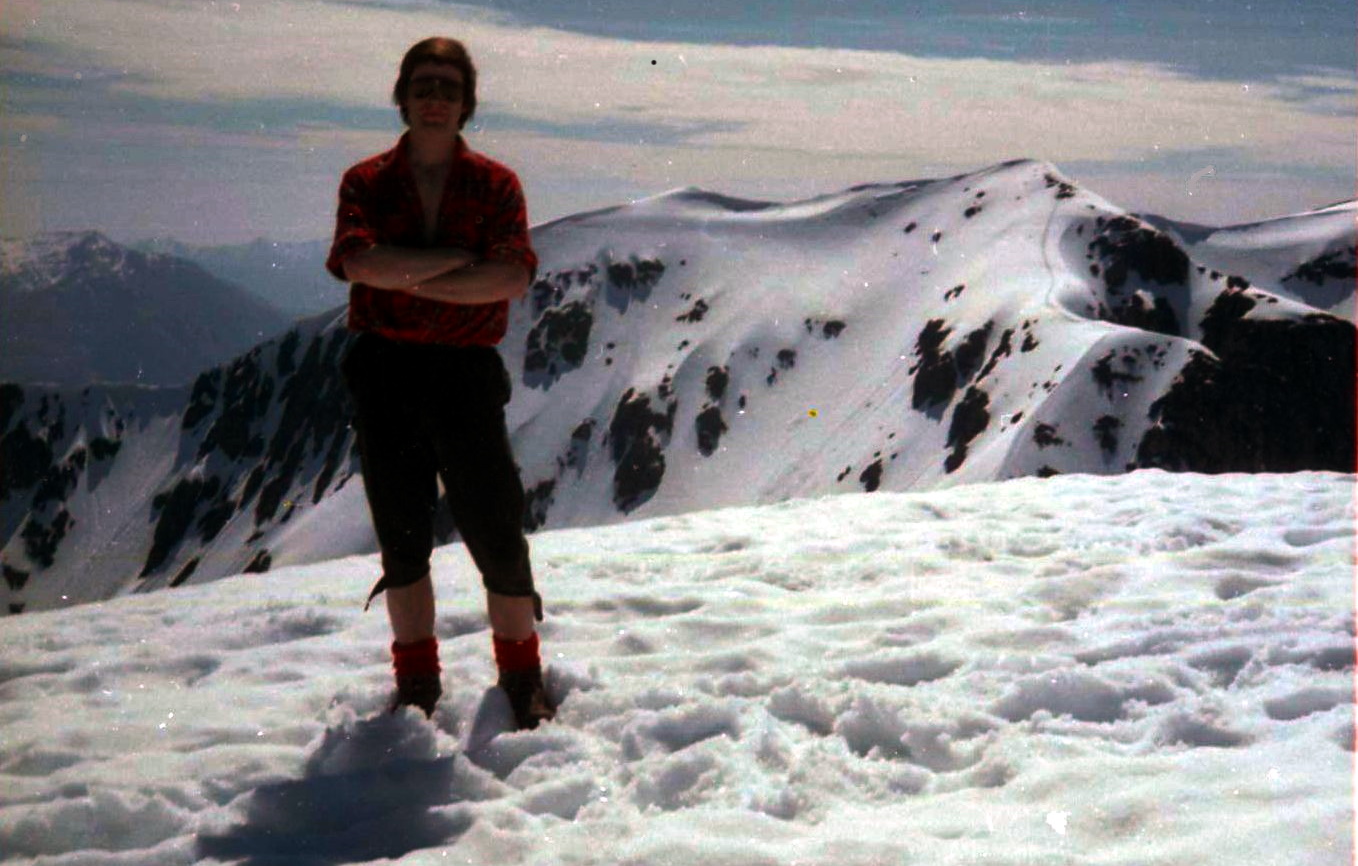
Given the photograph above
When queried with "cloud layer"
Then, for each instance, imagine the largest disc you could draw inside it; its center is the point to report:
(299, 89)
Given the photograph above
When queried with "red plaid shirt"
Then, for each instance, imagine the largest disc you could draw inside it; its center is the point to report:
(482, 211)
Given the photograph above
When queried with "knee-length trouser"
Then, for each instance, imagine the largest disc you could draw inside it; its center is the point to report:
(425, 413)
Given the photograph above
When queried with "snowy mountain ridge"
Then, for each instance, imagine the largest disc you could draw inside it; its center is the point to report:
(81, 309)
(40, 262)
(1310, 256)
(692, 351)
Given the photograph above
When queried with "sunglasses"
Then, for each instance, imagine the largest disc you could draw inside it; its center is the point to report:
(430, 87)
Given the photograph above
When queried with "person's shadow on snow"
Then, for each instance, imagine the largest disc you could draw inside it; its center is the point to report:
(372, 788)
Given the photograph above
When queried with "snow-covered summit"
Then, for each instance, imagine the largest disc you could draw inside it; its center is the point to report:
(45, 260)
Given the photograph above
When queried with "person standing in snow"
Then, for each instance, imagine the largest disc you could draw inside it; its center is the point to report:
(433, 238)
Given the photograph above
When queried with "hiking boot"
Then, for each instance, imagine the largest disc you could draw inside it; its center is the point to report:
(417, 690)
(527, 697)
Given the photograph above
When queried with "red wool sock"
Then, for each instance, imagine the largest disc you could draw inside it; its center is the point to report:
(517, 655)
(420, 657)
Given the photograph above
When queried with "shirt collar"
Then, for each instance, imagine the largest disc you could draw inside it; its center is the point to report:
(400, 158)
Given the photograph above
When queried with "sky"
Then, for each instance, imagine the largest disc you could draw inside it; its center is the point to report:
(220, 122)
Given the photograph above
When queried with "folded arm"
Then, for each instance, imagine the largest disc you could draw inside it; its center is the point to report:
(479, 283)
(388, 267)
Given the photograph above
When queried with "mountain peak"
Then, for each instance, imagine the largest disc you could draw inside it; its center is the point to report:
(45, 258)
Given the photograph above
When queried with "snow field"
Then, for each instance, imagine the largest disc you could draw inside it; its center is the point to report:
(1146, 669)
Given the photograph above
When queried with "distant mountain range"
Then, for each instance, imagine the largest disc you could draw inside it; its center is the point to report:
(81, 309)
(692, 351)
(290, 277)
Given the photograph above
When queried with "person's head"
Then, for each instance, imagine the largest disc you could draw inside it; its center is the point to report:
(437, 51)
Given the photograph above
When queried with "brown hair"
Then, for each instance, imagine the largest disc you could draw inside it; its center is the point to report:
(438, 49)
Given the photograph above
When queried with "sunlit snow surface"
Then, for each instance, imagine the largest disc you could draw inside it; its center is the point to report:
(1139, 669)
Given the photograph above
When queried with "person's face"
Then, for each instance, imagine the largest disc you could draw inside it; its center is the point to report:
(434, 96)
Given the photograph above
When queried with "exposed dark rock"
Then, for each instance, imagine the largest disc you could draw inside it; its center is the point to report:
(969, 420)
(577, 453)
(57, 484)
(557, 344)
(637, 437)
(696, 314)
(1045, 436)
(1109, 378)
(551, 289)
(1324, 281)
(1341, 264)
(717, 380)
(11, 398)
(1106, 431)
(15, 578)
(247, 393)
(538, 500)
(829, 330)
(970, 351)
(186, 572)
(253, 482)
(287, 351)
(710, 426)
(42, 539)
(104, 449)
(1225, 313)
(935, 373)
(1139, 311)
(1127, 245)
(26, 458)
(871, 478)
(787, 359)
(176, 508)
(1063, 189)
(215, 519)
(260, 564)
(277, 483)
(1002, 350)
(333, 459)
(203, 399)
(938, 372)
(632, 280)
(1278, 397)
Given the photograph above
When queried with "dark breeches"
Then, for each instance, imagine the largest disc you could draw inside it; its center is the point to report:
(427, 413)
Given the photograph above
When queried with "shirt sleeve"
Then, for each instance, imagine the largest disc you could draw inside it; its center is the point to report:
(508, 240)
(353, 229)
